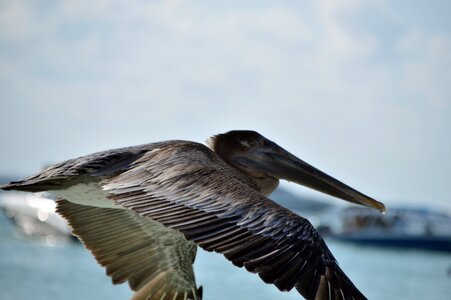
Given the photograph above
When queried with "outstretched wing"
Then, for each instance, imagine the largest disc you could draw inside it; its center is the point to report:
(155, 260)
(190, 189)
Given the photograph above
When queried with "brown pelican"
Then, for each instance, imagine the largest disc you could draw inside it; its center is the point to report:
(143, 210)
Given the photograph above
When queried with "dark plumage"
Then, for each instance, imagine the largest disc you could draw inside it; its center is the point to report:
(142, 210)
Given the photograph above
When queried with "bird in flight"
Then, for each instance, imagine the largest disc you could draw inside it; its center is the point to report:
(143, 210)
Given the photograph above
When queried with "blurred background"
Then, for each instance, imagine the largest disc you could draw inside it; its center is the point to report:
(359, 89)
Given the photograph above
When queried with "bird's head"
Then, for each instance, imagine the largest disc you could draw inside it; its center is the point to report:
(255, 155)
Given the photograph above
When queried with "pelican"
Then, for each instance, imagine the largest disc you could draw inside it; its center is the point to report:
(143, 210)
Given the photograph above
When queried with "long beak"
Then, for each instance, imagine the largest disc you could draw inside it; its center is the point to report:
(279, 163)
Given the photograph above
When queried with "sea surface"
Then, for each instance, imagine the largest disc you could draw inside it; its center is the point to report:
(31, 269)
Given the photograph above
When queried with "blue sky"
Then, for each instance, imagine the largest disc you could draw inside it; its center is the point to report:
(360, 89)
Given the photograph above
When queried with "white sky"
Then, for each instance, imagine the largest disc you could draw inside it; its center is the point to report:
(360, 89)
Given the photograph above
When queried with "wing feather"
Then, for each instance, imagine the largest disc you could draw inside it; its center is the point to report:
(189, 189)
(155, 260)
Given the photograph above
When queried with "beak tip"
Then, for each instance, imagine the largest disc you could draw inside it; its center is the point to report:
(381, 207)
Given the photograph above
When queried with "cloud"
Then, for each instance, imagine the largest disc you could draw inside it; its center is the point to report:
(14, 20)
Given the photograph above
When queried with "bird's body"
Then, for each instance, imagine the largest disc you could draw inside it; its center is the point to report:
(142, 210)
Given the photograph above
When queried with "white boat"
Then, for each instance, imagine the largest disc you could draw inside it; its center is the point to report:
(34, 216)
(400, 227)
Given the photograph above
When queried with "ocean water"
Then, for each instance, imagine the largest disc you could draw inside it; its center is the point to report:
(30, 269)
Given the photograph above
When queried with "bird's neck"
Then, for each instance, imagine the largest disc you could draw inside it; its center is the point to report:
(266, 184)
(263, 184)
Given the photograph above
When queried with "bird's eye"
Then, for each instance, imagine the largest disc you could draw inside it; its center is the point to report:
(245, 144)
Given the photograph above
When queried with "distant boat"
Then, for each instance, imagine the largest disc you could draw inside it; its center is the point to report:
(33, 215)
(400, 227)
